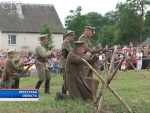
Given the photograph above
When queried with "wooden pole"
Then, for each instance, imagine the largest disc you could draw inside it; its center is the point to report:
(133, 66)
(105, 62)
(106, 70)
(112, 76)
(103, 81)
(116, 69)
(107, 81)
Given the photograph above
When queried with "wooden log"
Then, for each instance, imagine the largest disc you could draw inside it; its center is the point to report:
(116, 69)
(133, 66)
(130, 60)
(103, 81)
(106, 70)
(112, 62)
(98, 97)
(107, 81)
(121, 100)
(105, 62)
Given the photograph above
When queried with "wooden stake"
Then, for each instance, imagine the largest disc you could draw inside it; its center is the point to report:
(115, 71)
(103, 81)
(107, 81)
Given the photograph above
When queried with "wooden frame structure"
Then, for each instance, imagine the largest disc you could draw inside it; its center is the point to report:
(106, 83)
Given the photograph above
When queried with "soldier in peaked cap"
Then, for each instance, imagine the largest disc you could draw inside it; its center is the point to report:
(9, 68)
(87, 46)
(42, 55)
(88, 33)
(65, 49)
(79, 87)
(16, 75)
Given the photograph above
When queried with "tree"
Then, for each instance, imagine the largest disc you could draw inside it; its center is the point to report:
(147, 25)
(76, 22)
(140, 6)
(128, 25)
(111, 17)
(95, 20)
(108, 35)
(45, 29)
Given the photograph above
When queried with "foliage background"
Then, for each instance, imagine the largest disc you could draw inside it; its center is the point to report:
(130, 22)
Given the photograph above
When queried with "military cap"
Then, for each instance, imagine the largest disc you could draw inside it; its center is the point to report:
(91, 28)
(10, 51)
(78, 44)
(17, 60)
(42, 37)
(70, 33)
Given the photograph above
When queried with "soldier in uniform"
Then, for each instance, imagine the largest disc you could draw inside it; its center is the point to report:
(42, 55)
(65, 49)
(87, 47)
(9, 69)
(80, 87)
(17, 74)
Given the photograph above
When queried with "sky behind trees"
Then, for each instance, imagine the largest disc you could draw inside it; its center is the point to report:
(64, 6)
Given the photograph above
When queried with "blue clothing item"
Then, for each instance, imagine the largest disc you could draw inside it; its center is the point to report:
(2, 55)
(56, 69)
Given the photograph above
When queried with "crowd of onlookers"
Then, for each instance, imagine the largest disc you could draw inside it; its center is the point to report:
(53, 63)
(140, 58)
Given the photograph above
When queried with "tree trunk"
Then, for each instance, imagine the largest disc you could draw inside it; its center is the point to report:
(141, 23)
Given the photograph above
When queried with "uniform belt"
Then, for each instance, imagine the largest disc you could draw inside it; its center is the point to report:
(43, 60)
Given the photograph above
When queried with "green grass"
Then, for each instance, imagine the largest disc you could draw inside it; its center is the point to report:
(133, 87)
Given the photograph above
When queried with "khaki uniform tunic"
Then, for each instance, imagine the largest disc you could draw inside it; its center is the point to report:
(9, 65)
(43, 71)
(65, 45)
(87, 47)
(79, 87)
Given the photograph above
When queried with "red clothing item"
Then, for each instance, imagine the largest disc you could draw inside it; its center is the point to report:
(134, 59)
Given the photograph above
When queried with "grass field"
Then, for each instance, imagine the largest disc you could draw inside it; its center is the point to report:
(133, 87)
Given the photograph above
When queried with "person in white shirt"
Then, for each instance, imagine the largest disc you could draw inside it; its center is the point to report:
(50, 65)
(139, 56)
(101, 58)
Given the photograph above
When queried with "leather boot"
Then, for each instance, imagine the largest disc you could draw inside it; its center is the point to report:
(38, 84)
(12, 86)
(64, 91)
(16, 84)
(60, 95)
(47, 86)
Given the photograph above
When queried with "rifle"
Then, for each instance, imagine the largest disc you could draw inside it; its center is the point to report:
(27, 64)
(102, 50)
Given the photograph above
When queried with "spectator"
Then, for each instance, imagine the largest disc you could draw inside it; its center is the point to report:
(23, 56)
(29, 56)
(50, 65)
(134, 58)
(145, 62)
(23, 59)
(131, 44)
(56, 68)
(2, 54)
(123, 65)
(139, 55)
